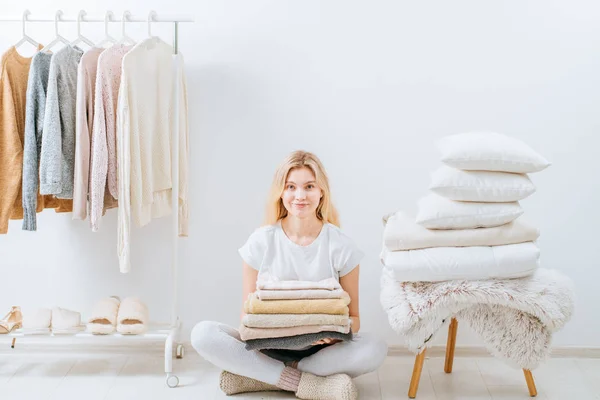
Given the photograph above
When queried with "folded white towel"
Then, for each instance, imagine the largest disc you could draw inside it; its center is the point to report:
(448, 263)
(299, 294)
(403, 233)
(271, 282)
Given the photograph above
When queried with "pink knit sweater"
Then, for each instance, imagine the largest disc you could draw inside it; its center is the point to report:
(86, 80)
(103, 165)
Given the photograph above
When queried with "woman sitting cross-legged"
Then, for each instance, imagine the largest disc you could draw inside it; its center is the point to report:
(301, 241)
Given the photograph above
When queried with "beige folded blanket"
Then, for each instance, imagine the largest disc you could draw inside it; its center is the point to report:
(268, 333)
(289, 320)
(299, 294)
(403, 233)
(312, 306)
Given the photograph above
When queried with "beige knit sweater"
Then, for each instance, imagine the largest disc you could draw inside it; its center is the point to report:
(14, 71)
(14, 74)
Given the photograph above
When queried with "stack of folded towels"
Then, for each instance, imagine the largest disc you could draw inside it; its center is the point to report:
(469, 226)
(292, 315)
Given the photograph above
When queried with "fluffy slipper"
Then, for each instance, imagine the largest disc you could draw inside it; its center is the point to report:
(133, 317)
(103, 319)
(37, 322)
(65, 321)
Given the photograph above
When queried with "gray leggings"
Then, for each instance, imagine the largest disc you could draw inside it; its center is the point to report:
(221, 345)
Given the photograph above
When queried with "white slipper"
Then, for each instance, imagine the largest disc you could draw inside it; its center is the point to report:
(133, 317)
(65, 321)
(37, 322)
(103, 319)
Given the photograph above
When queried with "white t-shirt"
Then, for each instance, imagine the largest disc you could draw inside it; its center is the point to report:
(332, 253)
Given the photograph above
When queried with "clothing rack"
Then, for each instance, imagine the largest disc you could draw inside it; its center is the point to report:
(169, 332)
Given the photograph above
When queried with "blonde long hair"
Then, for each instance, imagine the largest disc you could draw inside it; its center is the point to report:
(326, 211)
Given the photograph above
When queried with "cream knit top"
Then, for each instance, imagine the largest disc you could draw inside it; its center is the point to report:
(145, 120)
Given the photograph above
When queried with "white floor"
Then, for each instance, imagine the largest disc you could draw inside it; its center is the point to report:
(64, 376)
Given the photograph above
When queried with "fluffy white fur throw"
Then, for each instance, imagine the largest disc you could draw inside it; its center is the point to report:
(514, 317)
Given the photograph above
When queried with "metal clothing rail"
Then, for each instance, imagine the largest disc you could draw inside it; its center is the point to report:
(172, 332)
(154, 18)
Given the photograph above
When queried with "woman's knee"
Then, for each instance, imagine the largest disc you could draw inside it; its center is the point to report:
(203, 336)
(375, 351)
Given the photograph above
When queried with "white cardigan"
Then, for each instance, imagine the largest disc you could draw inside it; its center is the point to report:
(144, 124)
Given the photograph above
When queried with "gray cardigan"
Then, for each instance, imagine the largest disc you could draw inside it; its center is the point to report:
(57, 161)
(34, 120)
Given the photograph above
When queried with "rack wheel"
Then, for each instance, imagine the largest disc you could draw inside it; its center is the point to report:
(180, 351)
(172, 381)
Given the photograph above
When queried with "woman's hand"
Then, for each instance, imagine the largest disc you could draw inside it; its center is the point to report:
(326, 341)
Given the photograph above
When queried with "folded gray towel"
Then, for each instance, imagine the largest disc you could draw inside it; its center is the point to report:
(286, 356)
(298, 342)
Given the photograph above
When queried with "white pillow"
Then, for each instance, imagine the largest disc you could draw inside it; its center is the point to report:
(482, 186)
(473, 263)
(437, 212)
(403, 233)
(489, 151)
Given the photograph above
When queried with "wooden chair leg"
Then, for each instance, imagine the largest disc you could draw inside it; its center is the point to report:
(451, 344)
(530, 383)
(452, 329)
(416, 375)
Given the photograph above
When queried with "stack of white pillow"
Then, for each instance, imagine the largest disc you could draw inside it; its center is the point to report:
(468, 227)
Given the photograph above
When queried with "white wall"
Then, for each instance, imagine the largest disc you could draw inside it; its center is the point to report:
(367, 86)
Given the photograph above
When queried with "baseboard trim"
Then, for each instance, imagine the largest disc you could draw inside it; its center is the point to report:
(479, 351)
(157, 347)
